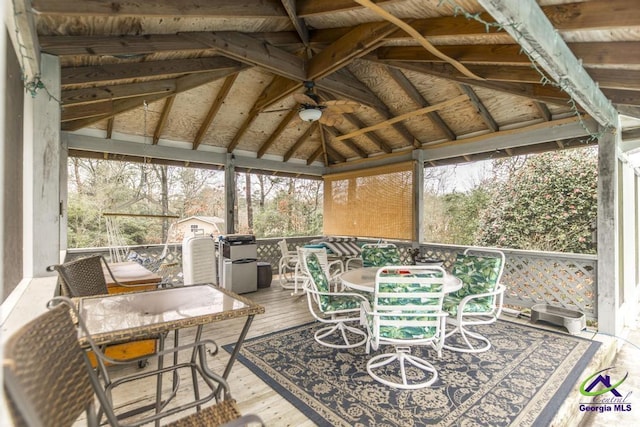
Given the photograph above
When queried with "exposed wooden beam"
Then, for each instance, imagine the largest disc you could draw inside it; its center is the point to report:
(168, 8)
(252, 51)
(413, 93)
(547, 93)
(215, 107)
(372, 136)
(110, 123)
(401, 117)
(350, 144)
(113, 92)
(300, 141)
(315, 155)
(298, 23)
(323, 144)
(357, 42)
(158, 69)
(279, 88)
(120, 106)
(243, 128)
(544, 110)
(276, 133)
(333, 155)
(343, 84)
(162, 121)
(480, 107)
(527, 24)
(315, 7)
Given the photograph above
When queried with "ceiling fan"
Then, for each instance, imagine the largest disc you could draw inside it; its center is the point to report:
(311, 109)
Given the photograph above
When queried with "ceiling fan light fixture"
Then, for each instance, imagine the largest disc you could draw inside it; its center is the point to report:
(310, 114)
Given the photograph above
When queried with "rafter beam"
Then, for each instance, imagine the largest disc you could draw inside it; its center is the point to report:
(544, 110)
(527, 24)
(298, 23)
(215, 107)
(252, 51)
(21, 29)
(372, 136)
(158, 69)
(168, 104)
(413, 93)
(112, 92)
(480, 107)
(276, 133)
(350, 144)
(300, 141)
(401, 117)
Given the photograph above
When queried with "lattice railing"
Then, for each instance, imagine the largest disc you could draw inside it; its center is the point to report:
(557, 279)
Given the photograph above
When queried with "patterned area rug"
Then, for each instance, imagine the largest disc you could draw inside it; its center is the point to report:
(521, 381)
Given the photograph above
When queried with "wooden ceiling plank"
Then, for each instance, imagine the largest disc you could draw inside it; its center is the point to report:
(215, 107)
(111, 92)
(298, 23)
(168, 8)
(357, 42)
(480, 107)
(401, 117)
(252, 51)
(413, 93)
(123, 105)
(127, 71)
(300, 141)
(162, 121)
(276, 133)
(527, 24)
(315, 7)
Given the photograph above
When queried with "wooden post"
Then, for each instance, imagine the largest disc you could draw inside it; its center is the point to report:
(42, 173)
(608, 298)
(230, 193)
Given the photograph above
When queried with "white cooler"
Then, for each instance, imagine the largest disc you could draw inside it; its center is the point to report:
(199, 260)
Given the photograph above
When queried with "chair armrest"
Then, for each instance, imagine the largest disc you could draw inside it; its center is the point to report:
(356, 260)
(497, 291)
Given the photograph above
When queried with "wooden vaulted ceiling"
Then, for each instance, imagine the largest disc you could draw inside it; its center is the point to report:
(220, 74)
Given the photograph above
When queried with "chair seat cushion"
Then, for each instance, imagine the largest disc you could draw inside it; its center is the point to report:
(406, 332)
(451, 305)
(339, 302)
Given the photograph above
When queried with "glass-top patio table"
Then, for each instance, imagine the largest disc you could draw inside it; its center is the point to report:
(364, 279)
(117, 318)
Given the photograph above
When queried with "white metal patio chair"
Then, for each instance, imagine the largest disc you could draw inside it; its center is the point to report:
(479, 302)
(334, 308)
(406, 311)
(287, 265)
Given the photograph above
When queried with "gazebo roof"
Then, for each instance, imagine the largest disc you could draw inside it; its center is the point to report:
(221, 76)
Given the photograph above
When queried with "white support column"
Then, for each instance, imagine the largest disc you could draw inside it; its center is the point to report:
(629, 238)
(230, 194)
(64, 194)
(418, 202)
(42, 173)
(608, 290)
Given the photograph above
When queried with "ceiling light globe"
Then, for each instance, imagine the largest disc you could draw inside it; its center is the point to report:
(310, 114)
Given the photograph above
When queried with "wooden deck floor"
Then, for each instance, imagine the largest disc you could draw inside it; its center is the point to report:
(251, 393)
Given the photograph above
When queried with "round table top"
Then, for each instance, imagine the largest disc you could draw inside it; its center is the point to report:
(364, 279)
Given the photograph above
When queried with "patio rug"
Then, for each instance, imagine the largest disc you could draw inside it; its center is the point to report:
(521, 381)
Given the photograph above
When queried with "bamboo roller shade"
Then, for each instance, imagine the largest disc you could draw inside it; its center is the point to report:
(376, 202)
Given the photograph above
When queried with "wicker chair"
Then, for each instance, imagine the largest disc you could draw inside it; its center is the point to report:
(85, 277)
(479, 302)
(49, 381)
(406, 311)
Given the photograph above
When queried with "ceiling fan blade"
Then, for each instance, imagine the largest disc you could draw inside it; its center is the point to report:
(278, 110)
(301, 98)
(330, 119)
(342, 106)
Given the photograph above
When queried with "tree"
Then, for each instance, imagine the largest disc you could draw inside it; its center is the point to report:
(547, 203)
